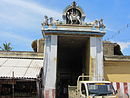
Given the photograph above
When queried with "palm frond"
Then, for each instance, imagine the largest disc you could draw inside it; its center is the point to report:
(6, 46)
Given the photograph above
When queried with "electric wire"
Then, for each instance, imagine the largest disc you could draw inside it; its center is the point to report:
(117, 33)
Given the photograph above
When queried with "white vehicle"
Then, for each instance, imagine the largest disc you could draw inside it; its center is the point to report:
(91, 89)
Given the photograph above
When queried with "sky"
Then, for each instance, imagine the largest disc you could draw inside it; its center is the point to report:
(20, 20)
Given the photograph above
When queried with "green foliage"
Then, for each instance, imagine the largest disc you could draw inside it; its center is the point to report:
(6, 47)
(61, 23)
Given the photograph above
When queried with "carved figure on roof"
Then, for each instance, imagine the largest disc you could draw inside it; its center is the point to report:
(94, 23)
(51, 20)
(73, 17)
(73, 14)
(97, 23)
(45, 22)
(101, 24)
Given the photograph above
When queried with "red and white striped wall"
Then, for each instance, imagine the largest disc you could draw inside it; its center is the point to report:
(123, 89)
(49, 93)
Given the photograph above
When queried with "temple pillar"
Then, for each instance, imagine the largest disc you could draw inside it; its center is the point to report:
(100, 66)
(96, 58)
(92, 70)
(50, 66)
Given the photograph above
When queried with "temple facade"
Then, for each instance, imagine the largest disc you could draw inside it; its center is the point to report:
(72, 48)
(68, 49)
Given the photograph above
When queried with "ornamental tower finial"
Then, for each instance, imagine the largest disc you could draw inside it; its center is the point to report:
(74, 4)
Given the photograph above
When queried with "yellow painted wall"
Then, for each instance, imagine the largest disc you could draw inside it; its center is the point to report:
(117, 71)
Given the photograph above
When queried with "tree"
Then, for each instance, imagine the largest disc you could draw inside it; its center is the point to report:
(6, 47)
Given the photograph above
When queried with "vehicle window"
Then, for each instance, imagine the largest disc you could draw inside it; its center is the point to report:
(83, 89)
(98, 89)
(92, 87)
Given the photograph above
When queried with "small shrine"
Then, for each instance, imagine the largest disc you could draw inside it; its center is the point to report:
(73, 14)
